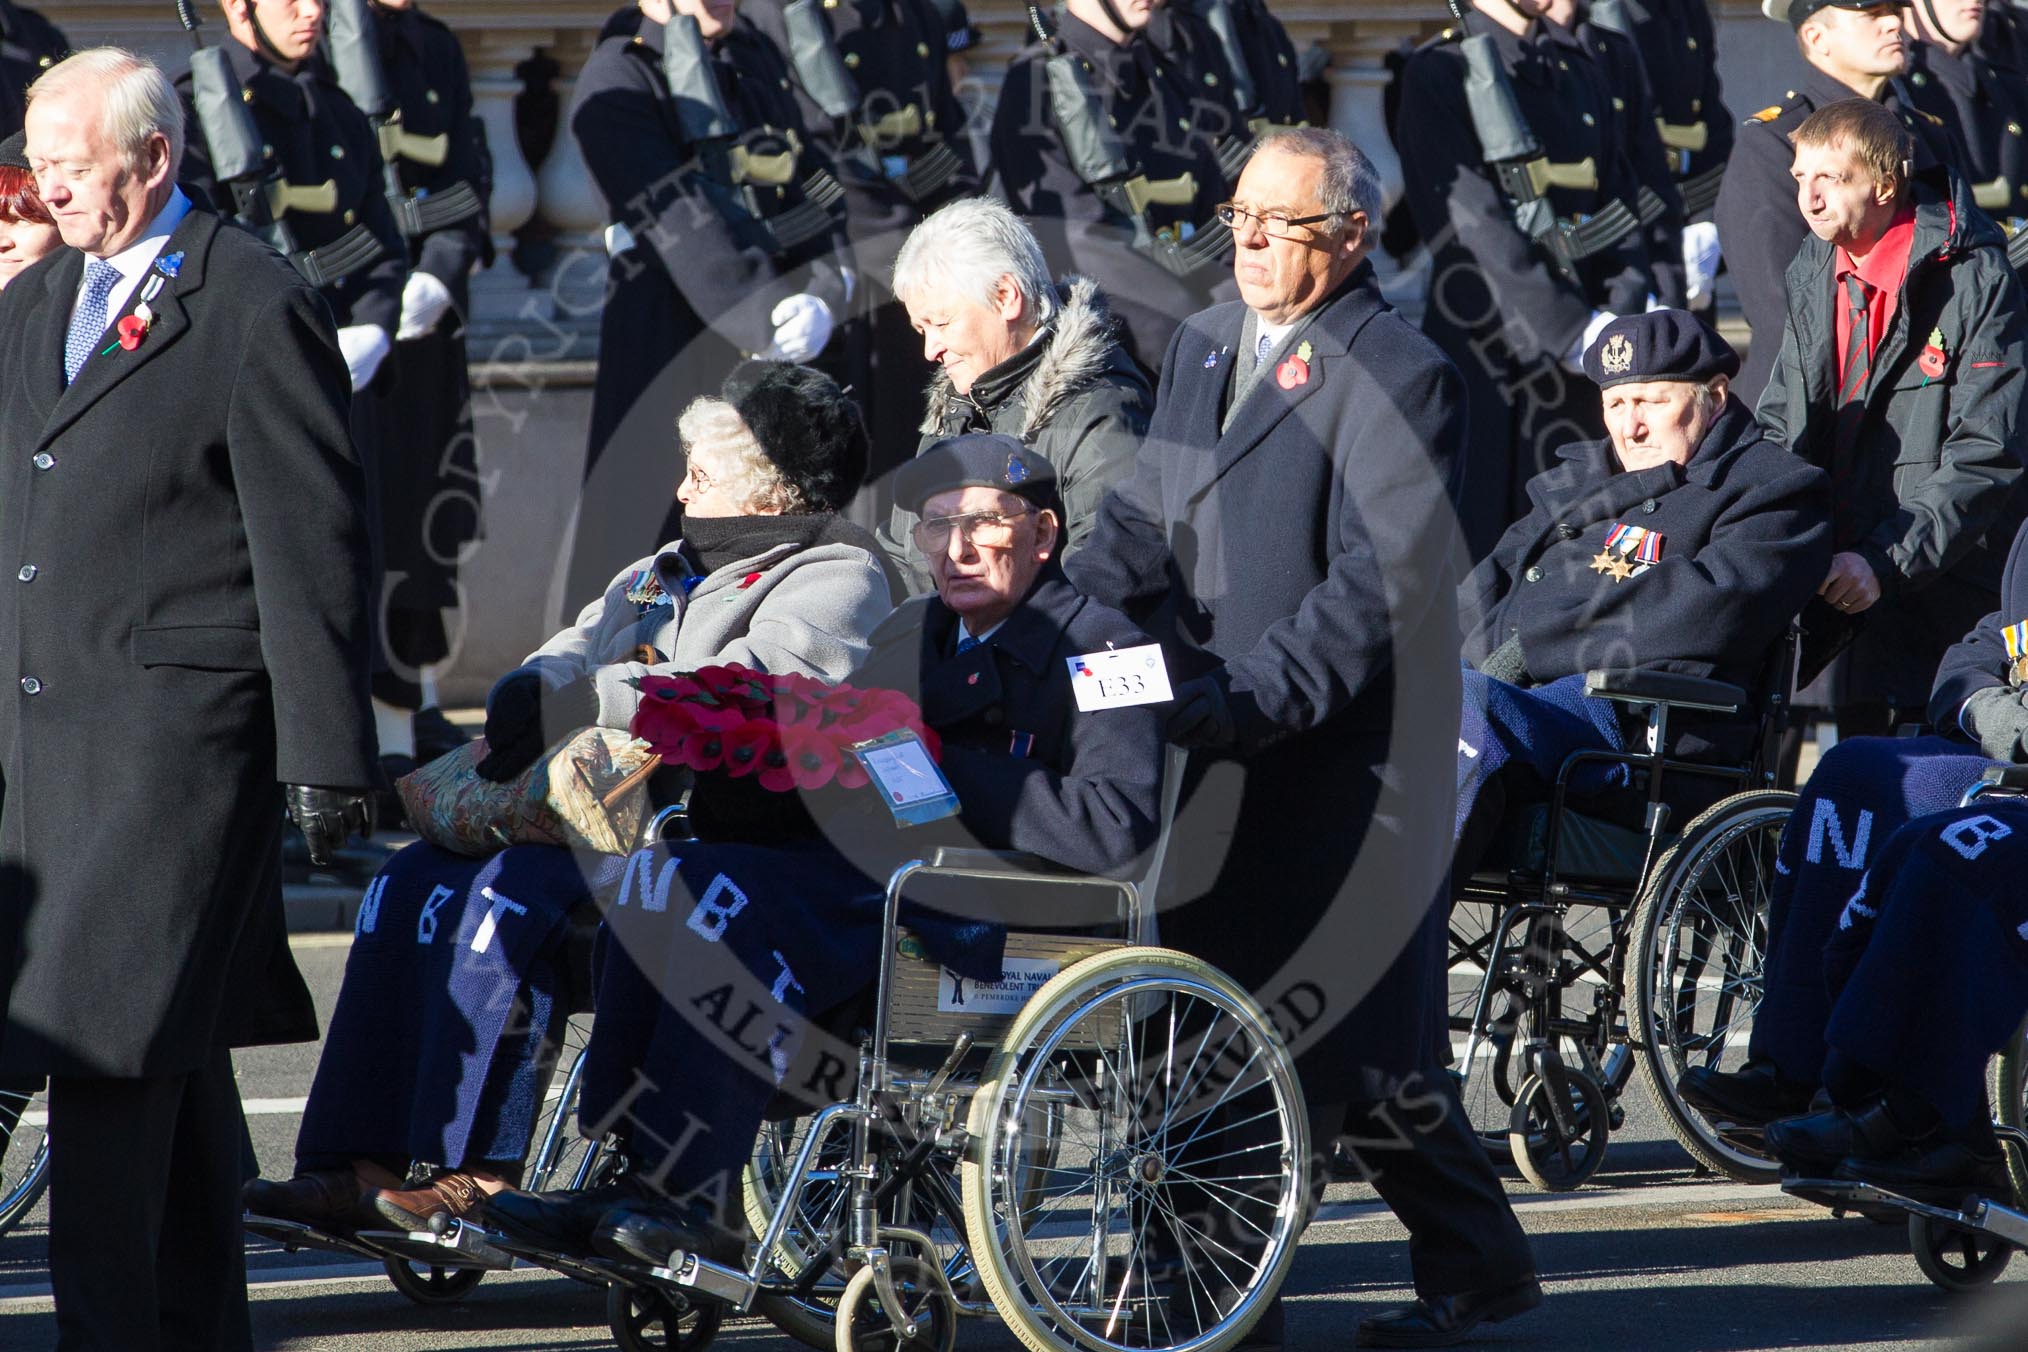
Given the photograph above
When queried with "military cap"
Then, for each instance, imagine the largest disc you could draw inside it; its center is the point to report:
(14, 151)
(1795, 11)
(1658, 345)
(976, 459)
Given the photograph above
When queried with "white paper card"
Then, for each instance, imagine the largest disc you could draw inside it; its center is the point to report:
(1019, 979)
(905, 772)
(1120, 677)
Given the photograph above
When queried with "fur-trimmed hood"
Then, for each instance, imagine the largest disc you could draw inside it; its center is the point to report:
(1078, 348)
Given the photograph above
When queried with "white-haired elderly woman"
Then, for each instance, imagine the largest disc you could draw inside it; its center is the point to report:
(1017, 354)
(445, 1064)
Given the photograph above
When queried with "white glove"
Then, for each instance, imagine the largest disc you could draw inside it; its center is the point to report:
(1573, 360)
(802, 327)
(1700, 258)
(365, 347)
(424, 302)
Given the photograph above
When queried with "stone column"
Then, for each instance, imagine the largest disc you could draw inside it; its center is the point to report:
(568, 201)
(499, 291)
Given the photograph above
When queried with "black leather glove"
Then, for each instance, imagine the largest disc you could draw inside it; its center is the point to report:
(525, 718)
(1201, 717)
(1998, 718)
(327, 816)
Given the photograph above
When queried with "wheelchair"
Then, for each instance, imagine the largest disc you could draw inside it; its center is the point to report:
(1602, 937)
(24, 1151)
(1117, 1159)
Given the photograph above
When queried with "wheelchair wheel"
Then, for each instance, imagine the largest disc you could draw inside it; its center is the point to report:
(1559, 1127)
(863, 1323)
(2010, 1104)
(1693, 977)
(648, 1319)
(24, 1152)
(1956, 1259)
(1180, 1181)
(427, 1285)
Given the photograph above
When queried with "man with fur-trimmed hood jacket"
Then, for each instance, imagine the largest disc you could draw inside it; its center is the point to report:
(1922, 454)
(1073, 394)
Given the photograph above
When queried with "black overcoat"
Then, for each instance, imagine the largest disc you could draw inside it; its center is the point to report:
(1980, 660)
(1745, 541)
(687, 293)
(1306, 554)
(1679, 54)
(1497, 303)
(1168, 129)
(183, 632)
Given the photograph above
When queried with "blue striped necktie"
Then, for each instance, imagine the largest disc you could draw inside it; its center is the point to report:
(966, 643)
(88, 323)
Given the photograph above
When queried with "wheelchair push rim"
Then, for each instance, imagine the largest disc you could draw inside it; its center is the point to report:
(1144, 1230)
(1694, 983)
(24, 1152)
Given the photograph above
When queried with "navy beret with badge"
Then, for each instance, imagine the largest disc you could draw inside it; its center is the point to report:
(977, 460)
(1658, 345)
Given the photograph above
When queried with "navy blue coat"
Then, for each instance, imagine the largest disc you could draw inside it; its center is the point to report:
(1032, 772)
(1979, 661)
(1305, 553)
(1746, 540)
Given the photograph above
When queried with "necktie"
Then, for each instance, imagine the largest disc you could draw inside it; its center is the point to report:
(1262, 348)
(966, 643)
(1858, 356)
(88, 322)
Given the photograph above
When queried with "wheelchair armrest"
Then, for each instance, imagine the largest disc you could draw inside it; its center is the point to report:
(1665, 687)
(1005, 863)
(2010, 778)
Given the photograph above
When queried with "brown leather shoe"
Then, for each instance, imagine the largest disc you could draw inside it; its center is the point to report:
(454, 1194)
(323, 1198)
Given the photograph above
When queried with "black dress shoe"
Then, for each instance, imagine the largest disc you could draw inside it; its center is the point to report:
(1812, 1146)
(562, 1221)
(1751, 1096)
(1443, 1321)
(1944, 1173)
(648, 1232)
(324, 1199)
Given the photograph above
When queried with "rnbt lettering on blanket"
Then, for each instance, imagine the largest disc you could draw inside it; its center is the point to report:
(426, 923)
(1825, 824)
(490, 922)
(1970, 836)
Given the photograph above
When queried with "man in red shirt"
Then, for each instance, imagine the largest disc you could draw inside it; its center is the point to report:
(1900, 372)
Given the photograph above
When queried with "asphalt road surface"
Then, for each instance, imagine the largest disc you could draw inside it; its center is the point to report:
(1648, 1255)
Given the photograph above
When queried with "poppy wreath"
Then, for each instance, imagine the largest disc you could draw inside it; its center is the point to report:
(739, 731)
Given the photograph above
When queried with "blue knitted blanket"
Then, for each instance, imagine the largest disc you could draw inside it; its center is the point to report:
(1504, 724)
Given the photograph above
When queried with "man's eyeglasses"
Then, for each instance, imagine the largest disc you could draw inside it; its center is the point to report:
(987, 530)
(1273, 224)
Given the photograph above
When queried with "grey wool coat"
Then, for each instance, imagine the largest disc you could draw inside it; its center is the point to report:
(808, 610)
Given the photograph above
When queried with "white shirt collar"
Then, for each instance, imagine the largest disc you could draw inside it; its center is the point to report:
(134, 261)
(1274, 333)
(965, 632)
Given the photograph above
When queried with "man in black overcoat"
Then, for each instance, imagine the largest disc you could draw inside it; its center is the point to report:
(29, 45)
(1288, 530)
(184, 650)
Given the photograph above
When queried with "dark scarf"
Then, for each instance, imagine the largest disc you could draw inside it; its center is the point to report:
(715, 542)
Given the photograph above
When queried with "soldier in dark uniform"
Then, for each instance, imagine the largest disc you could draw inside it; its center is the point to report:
(1240, 55)
(338, 220)
(1966, 69)
(1854, 49)
(872, 82)
(1125, 195)
(1514, 297)
(727, 239)
(1679, 54)
(29, 45)
(429, 490)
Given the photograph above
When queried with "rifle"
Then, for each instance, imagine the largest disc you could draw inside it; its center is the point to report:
(238, 160)
(355, 59)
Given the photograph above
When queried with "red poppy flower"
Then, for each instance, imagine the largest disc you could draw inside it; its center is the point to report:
(745, 746)
(132, 329)
(813, 759)
(851, 774)
(701, 749)
(1293, 372)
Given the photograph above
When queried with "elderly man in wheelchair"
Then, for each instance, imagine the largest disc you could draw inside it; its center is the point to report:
(990, 654)
(1680, 547)
(1895, 941)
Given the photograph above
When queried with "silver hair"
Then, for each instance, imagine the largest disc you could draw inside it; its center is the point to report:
(969, 246)
(712, 429)
(1350, 182)
(138, 101)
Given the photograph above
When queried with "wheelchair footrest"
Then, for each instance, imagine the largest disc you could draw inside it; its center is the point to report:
(460, 1246)
(1985, 1217)
(577, 1267)
(703, 1276)
(293, 1235)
